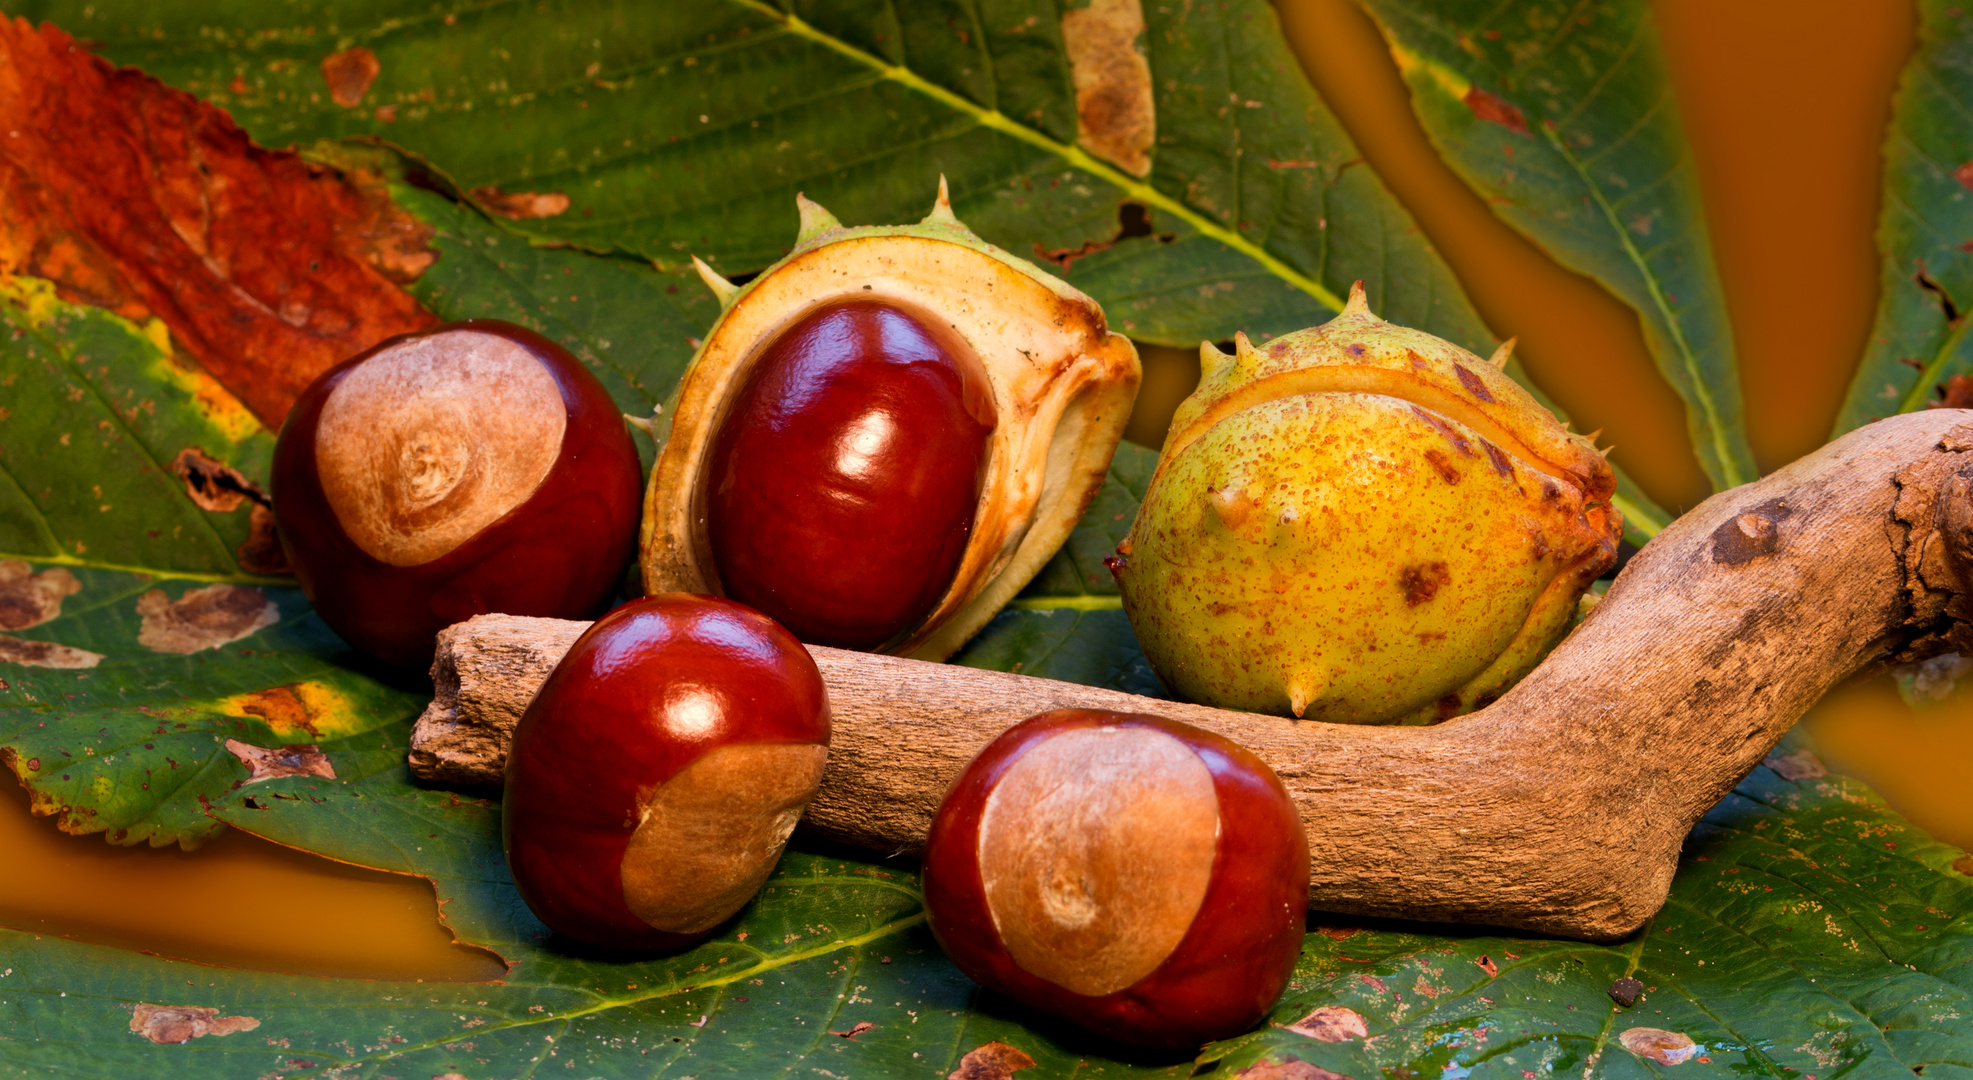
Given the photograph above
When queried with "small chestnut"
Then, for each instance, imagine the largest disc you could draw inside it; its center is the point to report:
(1138, 877)
(473, 468)
(845, 476)
(655, 777)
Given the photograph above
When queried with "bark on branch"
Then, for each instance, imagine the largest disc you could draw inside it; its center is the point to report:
(1559, 809)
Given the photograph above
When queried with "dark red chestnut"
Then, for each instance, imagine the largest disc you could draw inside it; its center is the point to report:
(655, 778)
(473, 468)
(845, 475)
(1138, 877)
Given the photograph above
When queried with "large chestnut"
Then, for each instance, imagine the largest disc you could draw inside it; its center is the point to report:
(845, 476)
(1138, 877)
(655, 777)
(473, 468)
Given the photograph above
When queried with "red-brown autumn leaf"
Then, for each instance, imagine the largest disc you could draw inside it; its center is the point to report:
(139, 198)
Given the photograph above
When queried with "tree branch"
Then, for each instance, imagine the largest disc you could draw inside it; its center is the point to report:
(1559, 809)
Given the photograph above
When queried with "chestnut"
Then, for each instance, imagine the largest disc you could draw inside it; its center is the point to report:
(846, 473)
(1136, 876)
(469, 469)
(655, 777)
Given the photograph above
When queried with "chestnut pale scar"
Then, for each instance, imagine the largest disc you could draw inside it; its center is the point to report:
(433, 439)
(710, 835)
(1096, 849)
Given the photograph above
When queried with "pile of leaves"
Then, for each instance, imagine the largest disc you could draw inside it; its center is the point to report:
(170, 278)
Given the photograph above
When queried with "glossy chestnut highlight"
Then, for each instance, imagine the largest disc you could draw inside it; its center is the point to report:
(657, 774)
(845, 476)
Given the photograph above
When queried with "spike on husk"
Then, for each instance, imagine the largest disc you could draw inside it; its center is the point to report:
(815, 220)
(942, 209)
(723, 290)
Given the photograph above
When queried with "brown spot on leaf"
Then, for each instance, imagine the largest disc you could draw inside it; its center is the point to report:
(1331, 1023)
(1133, 220)
(282, 708)
(142, 199)
(856, 1029)
(1659, 1045)
(991, 1061)
(1626, 991)
(1495, 110)
(1800, 765)
(1443, 464)
(1964, 174)
(166, 1024)
(260, 552)
(274, 763)
(1963, 865)
(1422, 581)
(45, 654)
(1471, 380)
(1339, 933)
(212, 484)
(1287, 1067)
(30, 599)
(349, 74)
(203, 618)
(521, 205)
(1115, 116)
(1487, 965)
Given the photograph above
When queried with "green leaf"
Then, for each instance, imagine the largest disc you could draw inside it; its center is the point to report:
(1809, 932)
(1561, 116)
(680, 129)
(97, 408)
(1918, 340)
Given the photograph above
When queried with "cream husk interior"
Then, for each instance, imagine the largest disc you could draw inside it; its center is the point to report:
(1063, 386)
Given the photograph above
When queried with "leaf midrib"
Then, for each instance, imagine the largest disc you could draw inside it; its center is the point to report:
(995, 120)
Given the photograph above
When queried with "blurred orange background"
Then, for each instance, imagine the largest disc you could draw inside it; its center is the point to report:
(1785, 105)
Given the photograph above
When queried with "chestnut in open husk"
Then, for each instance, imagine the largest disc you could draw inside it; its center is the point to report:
(469, 469)
(885, 435)
(1139, 877)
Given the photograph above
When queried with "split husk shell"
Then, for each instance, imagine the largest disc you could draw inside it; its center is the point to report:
(1062, 384)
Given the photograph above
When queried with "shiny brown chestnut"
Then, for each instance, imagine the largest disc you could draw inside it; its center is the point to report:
(656, 775)
(1138, 877)
(847, 471)
(473, 468)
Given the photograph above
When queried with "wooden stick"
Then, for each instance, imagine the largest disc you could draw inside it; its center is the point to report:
(1558, 809)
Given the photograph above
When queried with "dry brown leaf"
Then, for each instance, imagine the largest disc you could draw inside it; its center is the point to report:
(132, 196)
